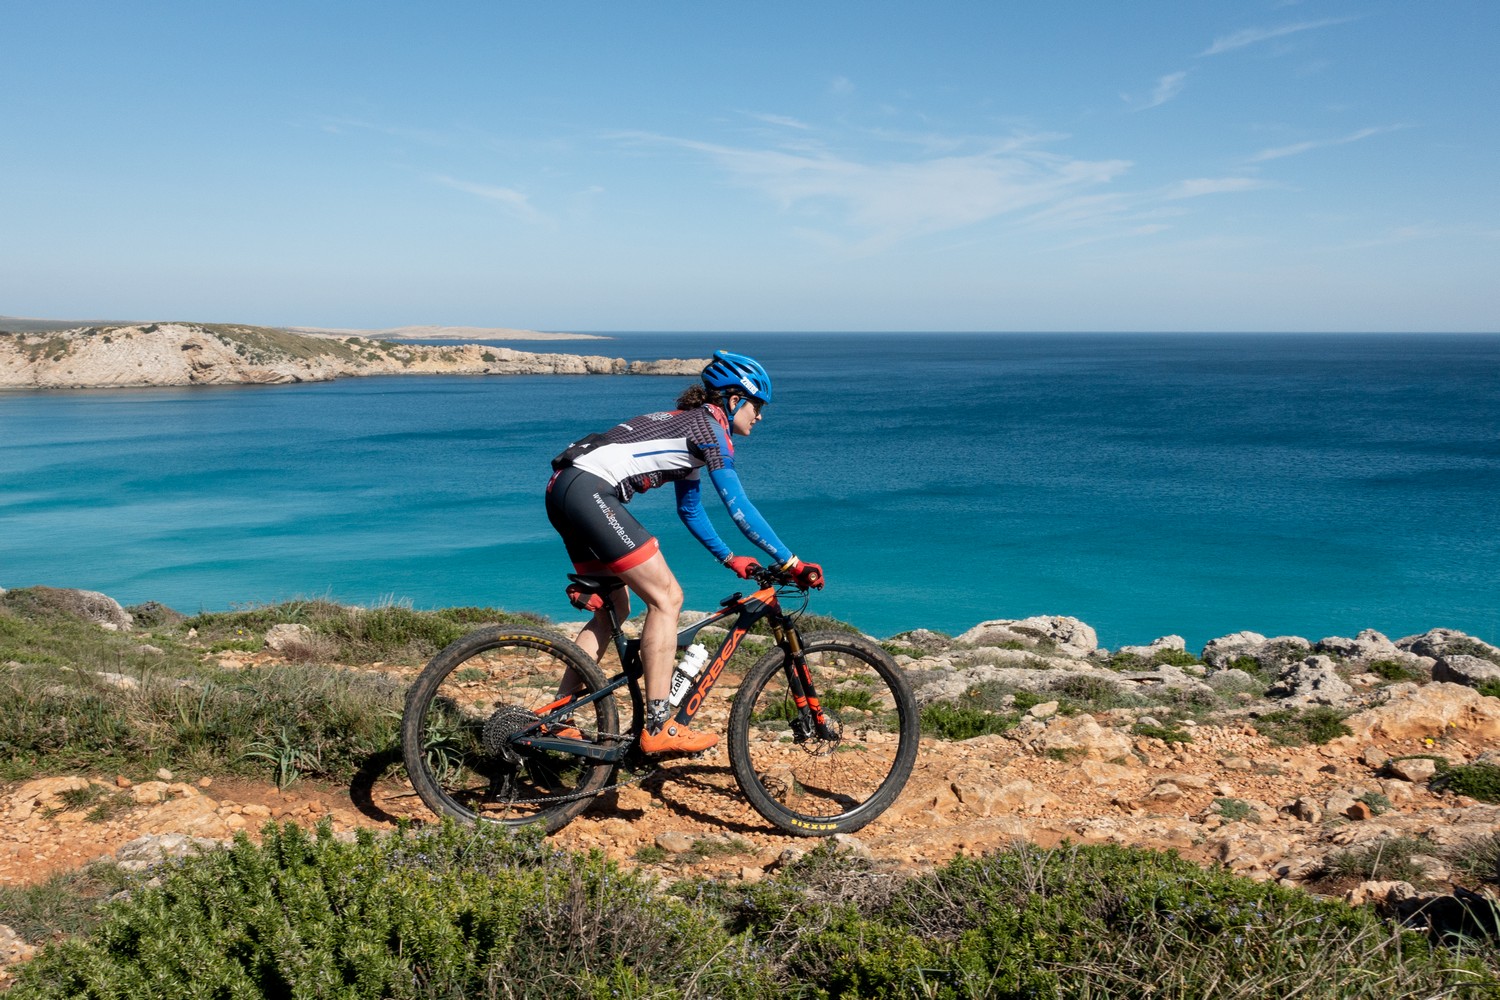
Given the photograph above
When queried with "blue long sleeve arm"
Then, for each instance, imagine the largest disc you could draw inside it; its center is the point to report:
(690, 509)
(741, 510)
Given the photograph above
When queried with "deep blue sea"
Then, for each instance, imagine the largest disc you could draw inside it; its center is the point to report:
(1147, 484)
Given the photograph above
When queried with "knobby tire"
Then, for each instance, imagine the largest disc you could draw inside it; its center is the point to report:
(474, 695)
(817, 787)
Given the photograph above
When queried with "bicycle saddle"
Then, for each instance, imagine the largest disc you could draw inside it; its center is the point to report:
(586, 592)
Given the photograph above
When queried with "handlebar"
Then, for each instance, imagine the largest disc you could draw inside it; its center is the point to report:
(772, 576)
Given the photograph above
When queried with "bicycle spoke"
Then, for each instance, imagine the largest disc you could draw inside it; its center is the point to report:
(469, 709)
(816, 780)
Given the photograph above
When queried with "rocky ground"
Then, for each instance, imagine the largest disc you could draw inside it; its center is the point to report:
(1225, 795)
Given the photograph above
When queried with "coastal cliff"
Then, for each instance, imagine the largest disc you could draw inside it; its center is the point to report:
(172, 354)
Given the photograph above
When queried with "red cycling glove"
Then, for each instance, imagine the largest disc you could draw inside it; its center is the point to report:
(743, 566)
(805, 574)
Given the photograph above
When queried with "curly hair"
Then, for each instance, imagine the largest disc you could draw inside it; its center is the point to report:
(697, 395)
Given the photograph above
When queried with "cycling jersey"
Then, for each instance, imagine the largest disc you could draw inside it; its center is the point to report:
(676, 446)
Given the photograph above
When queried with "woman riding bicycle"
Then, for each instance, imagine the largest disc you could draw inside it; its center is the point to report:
(596, 476)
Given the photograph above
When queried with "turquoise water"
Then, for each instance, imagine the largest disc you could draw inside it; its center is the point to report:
(1147, 484)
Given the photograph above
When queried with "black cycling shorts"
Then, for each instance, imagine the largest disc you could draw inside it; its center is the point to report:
(601, 535)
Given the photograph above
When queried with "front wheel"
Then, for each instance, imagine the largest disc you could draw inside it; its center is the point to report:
(472, 704)
(816, 781)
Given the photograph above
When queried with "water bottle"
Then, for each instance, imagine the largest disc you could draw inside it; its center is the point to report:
(682, 678)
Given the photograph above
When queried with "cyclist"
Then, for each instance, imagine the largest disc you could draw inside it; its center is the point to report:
(595, 478)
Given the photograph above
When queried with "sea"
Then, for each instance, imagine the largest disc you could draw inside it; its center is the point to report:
(1147, 484)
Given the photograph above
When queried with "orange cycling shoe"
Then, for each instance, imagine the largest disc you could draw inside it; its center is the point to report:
(674, 738)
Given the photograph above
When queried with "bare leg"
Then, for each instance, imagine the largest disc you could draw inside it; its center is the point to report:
(595, 638)
(653, 581)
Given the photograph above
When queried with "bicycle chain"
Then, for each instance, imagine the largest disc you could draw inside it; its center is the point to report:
(575, 796)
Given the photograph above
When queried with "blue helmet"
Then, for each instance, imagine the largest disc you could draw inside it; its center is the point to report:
(737, 373)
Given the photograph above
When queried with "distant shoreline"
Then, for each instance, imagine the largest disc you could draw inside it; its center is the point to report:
(468, 334)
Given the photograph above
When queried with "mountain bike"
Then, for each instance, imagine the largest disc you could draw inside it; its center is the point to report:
(822, 734)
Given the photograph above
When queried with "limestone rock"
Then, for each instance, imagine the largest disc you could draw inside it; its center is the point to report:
(1087, 737)
(1379, 892)
(1071, 636)
(1313, 681)
(1366, 647)
(1226, 649)
(1413, 711)
(280, 638)
(1175, 642)
(674, 841)
(1413, 769)
(1470, 671)
(13, 949)
(1437, 642)
(152, 849)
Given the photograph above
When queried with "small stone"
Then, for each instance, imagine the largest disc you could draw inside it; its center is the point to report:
(162, 774)
(121, 781)
(674, 841)
(1164, 793)
(1306, 810)
(1045, 710)
(205, 782)
(750, 873)
(1374, 757)
(1414, 769)
(1359, 811)
(847, 843)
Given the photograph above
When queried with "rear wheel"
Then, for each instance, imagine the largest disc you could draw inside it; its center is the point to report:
(811, 782)
(475, 702)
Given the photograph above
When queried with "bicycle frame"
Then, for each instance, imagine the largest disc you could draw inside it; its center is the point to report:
(752, 608)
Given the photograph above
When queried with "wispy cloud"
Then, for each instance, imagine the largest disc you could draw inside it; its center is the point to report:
(876, 204)
(1253, 36)
(781, 121)
(1198, 187)
(1296, 148)
(1167, 87)
(512, 201)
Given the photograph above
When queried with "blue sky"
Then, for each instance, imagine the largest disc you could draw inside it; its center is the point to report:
(1151, 165)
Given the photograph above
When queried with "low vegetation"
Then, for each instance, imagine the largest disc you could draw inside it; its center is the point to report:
(1299, 727)
(78, 697)
(462, 912)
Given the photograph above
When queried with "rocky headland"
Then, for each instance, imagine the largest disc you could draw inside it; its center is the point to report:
(173, 354)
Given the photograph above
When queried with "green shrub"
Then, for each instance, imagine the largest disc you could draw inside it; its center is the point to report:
(1384, 860)
(1252, 666)
(1236, 810)
(463, 912)
(1490, 689)
(1175, 658)
(1168, 733)
(947, 721)
(1377, 802)
(1298, 727)
(458, 912)
(1078, 922)
(1465, 646)
(1395, 670)
(1478, 858)
(1092, 694)
(1478, 781)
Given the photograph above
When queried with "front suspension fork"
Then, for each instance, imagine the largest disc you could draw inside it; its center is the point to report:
(810, 722)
